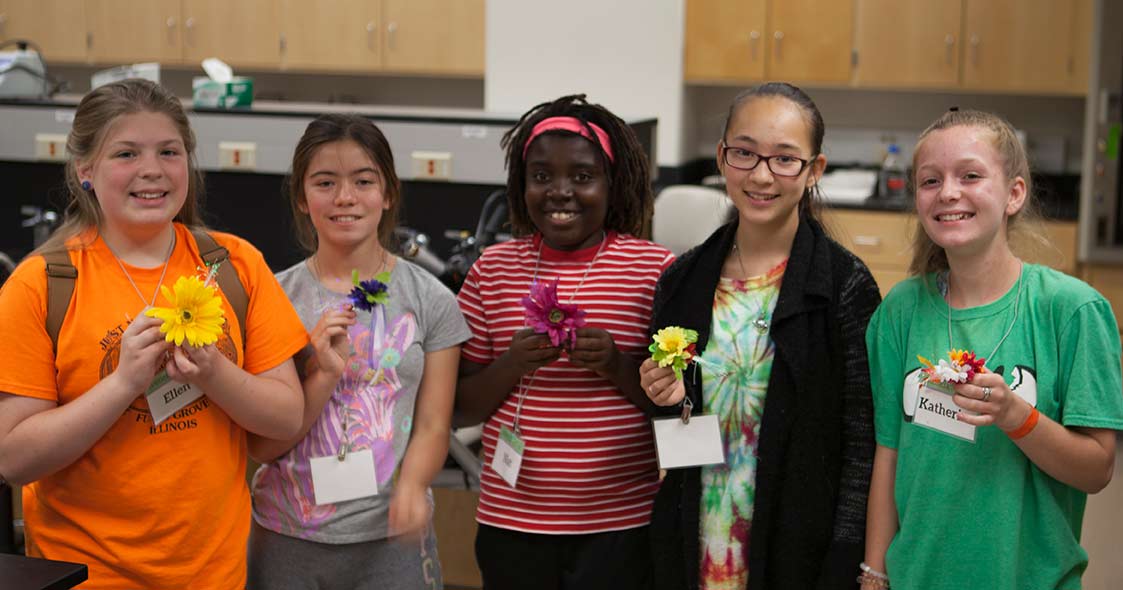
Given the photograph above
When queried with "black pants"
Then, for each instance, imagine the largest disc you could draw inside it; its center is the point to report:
(512, 560)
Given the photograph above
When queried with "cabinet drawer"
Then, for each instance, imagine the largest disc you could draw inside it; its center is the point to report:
(881, 239)
(1059, 253)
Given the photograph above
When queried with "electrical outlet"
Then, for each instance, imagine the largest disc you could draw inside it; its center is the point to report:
(237, 155)
(50, 147)
(432, 165)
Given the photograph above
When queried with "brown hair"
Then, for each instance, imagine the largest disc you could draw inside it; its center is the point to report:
(1023, 229)
(331, 128)
(629, 178)
(809, 203)
(96, 113)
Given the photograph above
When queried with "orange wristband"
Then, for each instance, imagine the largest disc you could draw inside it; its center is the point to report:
(1026, 427)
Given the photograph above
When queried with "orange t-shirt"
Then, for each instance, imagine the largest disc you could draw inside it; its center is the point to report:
(147, 506)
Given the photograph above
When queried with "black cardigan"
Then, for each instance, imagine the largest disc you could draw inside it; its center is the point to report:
(816, 446)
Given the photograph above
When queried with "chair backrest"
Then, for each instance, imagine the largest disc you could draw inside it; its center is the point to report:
(686, 214)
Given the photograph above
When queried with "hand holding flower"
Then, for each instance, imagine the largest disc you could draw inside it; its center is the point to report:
(330, 340)
(660, 384)
(674, 347)
(196, 314)
(1003, 408)
(142, 350)
(195, 365)
(547, 315)
(595, 349)
(529, 351)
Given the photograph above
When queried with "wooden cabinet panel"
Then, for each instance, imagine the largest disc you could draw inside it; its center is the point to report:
(1081, 61)
(1108, 280)
(126, 31)
(908, 43)
(810, 40)
(434, 36)
(57, 26)
(332, 34)
(243, 33)
(877, 237)
(1022, 45)
(724, 40)
(1058, 253)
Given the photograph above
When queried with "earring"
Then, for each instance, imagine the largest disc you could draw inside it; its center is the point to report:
(87, 185)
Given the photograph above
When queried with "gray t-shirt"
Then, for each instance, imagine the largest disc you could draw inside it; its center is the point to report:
(377, 391)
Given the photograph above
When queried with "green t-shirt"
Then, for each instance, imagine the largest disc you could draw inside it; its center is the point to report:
(982, 515)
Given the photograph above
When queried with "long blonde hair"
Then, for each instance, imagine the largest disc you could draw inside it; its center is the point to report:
(95, 114)
(1024, 230)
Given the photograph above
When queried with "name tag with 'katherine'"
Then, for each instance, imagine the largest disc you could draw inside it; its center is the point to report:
(936, 410)
(166, 397)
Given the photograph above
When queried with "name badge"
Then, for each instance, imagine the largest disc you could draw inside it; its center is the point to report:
(508, 458)
(936, 410)
(688, 443)
(335, 480)
(166, 397)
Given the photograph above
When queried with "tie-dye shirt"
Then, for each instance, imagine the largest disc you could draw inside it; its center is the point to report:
(734, 383)
(377, 392)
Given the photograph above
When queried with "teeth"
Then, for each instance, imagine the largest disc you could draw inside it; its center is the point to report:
(954, 216)
(761, 197)
(345, 218)
(562, 215)
(149, 195)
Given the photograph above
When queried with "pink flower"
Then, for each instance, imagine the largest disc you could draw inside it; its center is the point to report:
(549, 316)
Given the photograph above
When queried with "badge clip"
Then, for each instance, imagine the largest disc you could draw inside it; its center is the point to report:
(342, 454)
(687, 406)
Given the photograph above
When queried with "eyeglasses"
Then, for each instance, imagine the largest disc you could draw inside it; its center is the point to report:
(780, 165)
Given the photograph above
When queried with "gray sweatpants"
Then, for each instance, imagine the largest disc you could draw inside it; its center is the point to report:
(280, 562)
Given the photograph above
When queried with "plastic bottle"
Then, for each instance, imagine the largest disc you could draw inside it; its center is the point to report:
(891, 179)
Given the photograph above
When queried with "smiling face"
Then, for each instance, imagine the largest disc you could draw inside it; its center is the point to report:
(344, 195)
(566, 190)
(963, 197)
(139, 174)
(769, 126)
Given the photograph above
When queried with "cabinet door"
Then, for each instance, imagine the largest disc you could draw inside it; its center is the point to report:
(810, 40)
(724, 40)
(1081, 52)
(331, 34)
(245, 33)
(1020, 45)
(57, 26)
(125, 31)
(434, 36)
(908, 43)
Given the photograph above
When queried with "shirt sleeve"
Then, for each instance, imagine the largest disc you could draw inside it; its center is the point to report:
(1089, 375)
(444, 324)
(479, 347)
(27, 358)
(274, 332)
(886, 379)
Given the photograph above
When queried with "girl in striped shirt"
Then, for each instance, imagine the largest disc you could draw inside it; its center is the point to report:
(573, 502)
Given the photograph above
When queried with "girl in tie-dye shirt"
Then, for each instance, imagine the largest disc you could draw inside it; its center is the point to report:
(378, 379)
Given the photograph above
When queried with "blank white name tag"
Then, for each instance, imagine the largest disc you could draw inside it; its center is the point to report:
(166, 397)
(690, 444)
(936, 410)
(338, 481)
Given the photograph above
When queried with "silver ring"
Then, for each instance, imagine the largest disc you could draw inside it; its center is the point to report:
(986, 394)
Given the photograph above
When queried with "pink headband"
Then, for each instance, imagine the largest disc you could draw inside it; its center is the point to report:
(574, 125)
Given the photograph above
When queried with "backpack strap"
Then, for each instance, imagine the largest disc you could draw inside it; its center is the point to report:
(61, 276)
(227, 277)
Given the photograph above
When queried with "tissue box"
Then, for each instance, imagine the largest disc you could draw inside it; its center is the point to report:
(238, 92)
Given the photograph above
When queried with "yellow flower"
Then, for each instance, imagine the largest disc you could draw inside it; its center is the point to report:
(196, 314)
(956, 355)
(672, 340)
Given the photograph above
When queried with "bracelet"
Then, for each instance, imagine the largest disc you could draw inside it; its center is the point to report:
(1026, 427)
(866, 569)
(867, 580)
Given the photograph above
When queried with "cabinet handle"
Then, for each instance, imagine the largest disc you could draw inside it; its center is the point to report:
(391, 29)
(371, 28)
(872, 241)
(171, 22)
(3, 20)
(778, 37)
(754, 41)
(974, 50)
(949, 44)
(282, 43)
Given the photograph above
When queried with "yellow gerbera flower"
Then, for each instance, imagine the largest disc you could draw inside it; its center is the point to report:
(196, 314)
(672, 340)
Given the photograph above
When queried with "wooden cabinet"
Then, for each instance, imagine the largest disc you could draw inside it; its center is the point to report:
(331, 35)
(434, 36)
(744, 40)
(1108, 280)
(911, 43)
(125, 31)
(1026, 45)
(58, 27)
(243, 33)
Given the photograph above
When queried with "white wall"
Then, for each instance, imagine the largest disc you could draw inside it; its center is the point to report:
(624, 54)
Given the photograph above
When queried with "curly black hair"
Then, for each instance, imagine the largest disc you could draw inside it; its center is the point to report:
(629, 182)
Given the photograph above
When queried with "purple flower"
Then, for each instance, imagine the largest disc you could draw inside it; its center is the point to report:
(549, 316)
(368, 293)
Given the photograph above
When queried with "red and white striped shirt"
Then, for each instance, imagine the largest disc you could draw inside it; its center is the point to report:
(589, 463)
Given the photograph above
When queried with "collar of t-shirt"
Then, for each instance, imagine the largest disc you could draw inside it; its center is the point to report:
(582, 255)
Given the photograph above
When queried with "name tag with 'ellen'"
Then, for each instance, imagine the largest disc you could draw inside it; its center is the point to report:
(936, 410)
(688, 444)
(166, 397)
